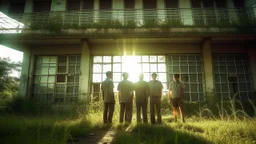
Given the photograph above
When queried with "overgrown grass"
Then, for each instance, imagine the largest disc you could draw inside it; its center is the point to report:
(227, 123)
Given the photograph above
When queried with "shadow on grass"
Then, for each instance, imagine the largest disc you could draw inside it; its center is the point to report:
(157, 134)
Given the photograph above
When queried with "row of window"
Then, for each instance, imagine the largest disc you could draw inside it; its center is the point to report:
(56, 78)
(45, 5)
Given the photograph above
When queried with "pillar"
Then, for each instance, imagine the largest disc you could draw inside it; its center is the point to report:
(28, 6)
(160, 11)
(58, 5)
(208, 70)
(186, 12)
(139, 12)
(118, 7)
(5, 5)
(24, 78)
(84, 86)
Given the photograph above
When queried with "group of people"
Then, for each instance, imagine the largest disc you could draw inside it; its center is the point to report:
(143, 91)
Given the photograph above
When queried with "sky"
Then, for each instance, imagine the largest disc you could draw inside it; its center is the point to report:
(14, 56)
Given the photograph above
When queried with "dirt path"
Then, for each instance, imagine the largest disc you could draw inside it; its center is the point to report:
(99, 136)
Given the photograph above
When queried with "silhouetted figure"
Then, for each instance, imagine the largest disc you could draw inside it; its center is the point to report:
(141, 93)
(176, 96)
(155, 93)
(107, 88)
(125, 94)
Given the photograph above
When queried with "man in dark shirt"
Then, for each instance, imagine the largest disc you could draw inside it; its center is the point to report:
(107, 88)
(125, 94)
(141, 93)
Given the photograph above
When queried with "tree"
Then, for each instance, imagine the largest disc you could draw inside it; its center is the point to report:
(8, 84)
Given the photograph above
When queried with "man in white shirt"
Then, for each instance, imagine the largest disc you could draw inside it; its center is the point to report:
(176, 96)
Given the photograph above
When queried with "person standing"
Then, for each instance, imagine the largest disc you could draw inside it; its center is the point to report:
(125, 95)
(141, 93)
(176, 96)
(155, 94)
(107, 88)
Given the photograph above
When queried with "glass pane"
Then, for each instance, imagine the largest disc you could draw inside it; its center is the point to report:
(71, 79)
(175, 58)
(153, 67)
(136, 59)
(223, 78)
(97, 59)
(36, 79)
(42, 88)
(45, 70)
(164, 86)
(60, 88)
(77, 69)
(194, 87)
(51, 79)
(117, 77)
(145, 59)
(183, 63)
(61, 69)
(70, 89)
(161, 68)
(71, 69)
(176, 69)
(161, 58)
(184, 69)
(184, 78)
(183, 58)
(241, 78)
(43, 79)
(106, 67)
(50, 88)
(106, 59)
(224, 87)
(145, 67)
(153, 58)
(162, 77)
(53, 59)
(194, 96)
(191, 58)
(97, 78)
(231, 69)
(192, 69)
(97, 68)
(193, 78)
(52, 70)
(116, 58)
(61, 78)
(199, 69)
(170, 69)
(116, 67)
(46, 59)
(147, 76)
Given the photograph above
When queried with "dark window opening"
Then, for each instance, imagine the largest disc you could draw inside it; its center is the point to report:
(88, 4)
(149, 4)
(208, 3)
(17, 7)
(220, 3)
(106, 4)
(42, 6)
(171, 4)
(129, 4)
(196, 3)
(239, 3)
(73, 4)
(61, 78)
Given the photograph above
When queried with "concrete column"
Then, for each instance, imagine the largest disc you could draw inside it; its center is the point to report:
(139, 12)
(118, 6)
(208, 70)
(84, 86)
(58, 5)
(96, 7)
(24, 78)
(161, 12)
(252, 59)
(28, 6)
(186, 12)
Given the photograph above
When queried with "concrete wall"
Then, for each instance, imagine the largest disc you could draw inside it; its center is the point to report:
(228, 48)
(140, 49)
(51, 50)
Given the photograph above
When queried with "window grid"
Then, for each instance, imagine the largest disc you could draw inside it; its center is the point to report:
(190, 69)
(56, 78)
(232, 77)
(145, 64)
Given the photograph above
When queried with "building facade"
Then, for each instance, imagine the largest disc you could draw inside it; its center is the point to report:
(68, 45)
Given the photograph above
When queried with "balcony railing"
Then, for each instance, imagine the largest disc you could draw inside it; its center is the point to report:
(138, 18)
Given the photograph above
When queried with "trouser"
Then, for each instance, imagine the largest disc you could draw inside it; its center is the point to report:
(155, 104)
(108, 112)
(142, 106)
(125, 112)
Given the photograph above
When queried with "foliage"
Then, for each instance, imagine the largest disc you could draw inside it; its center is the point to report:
(8, 84)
